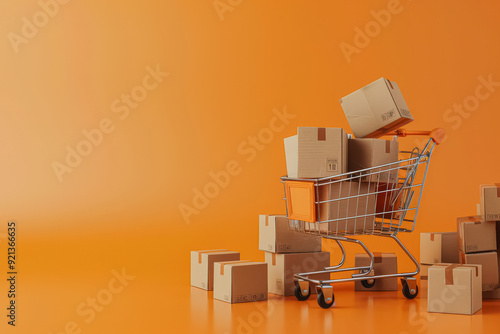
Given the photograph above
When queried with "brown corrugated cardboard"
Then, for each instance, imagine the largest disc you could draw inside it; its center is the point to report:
(476, 235)
(376, 109)
(489, 262)
(202, 266)
(363, 203)
(275, 237)
(316, 152)
(384, 263)
(281, 268)
(439, 247)
(369, 152)
(240, 281)
(454, 288)
(490, 201)
(424, 271)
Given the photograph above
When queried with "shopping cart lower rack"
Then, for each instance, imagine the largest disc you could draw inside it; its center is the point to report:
(381, 201)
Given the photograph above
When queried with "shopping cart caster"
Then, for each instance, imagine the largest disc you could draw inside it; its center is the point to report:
(410, 288)
(368, 283)
(325, 296)
(302, 290)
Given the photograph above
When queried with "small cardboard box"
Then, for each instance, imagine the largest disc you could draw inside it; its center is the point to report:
(316, 152)
(489, 262)
(240, 281)
(345, 199)
(384, 264)
(490, 202)
(202, 266)
(454, 288)
(281, 268)
(439, 247)
(476, 235)
(276, 237)
(369, 152)
(376, 109)
(424, 270)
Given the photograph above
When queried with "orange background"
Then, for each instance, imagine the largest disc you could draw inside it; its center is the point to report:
(120, 207)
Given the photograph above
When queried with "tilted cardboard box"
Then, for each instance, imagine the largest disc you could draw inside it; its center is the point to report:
(376, 109)
(316, 152)
(476, 235)
(384, 264)
(276, 237)
(454, 288)
(202, 266)
(489, 263)
(282, 267)
(240, 281)
(369, 152)
(490, 202)
(439, 247)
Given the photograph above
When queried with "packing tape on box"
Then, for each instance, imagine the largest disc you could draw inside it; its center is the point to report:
(432, 236)
(273, 259)
(498, 189)
(448, 271)
(267, 221)
(472, 219)
(377, 257)
(209, 251)
(321, 134)
(387, 146)
(223, 264)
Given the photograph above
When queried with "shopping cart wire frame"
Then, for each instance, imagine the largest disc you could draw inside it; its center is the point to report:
(382, 200)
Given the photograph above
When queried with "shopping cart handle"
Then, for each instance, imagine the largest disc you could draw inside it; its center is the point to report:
(437, 135)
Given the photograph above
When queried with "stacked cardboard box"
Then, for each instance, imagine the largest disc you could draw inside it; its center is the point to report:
(477, 245)
(489, 209)
(288, 252)
(437, 247)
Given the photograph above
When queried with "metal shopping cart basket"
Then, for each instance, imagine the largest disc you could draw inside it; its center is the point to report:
(381, 201)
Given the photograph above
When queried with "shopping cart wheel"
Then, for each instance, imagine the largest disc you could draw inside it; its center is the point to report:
(325, 296)
(368, 283)
(302, 293)
(410, 288)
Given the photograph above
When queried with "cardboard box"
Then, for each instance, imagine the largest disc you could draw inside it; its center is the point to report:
(424, 271)
(476, 235)
(316, 152)
(369, 152)
(240, 281)
(276, 237)
(439, 247)
(376, 109)
(489, 262)
(490, 201)
(281, 268)
(202, 266)
(385, 263)
(454, 288)
(363, 202)
(478, 209)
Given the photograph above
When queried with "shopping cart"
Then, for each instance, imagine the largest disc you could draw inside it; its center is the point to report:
(382, 201)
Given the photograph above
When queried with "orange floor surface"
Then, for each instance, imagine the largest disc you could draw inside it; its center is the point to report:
(368, 312)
